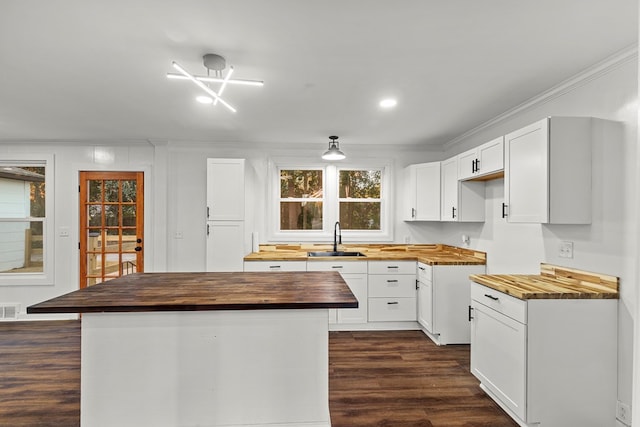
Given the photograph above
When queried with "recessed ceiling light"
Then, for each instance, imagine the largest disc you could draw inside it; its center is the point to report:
(204, 99)
(388, 103)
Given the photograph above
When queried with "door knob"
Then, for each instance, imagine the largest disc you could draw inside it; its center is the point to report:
(138, 248)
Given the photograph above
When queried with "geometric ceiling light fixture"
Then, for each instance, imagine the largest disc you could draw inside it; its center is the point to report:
(333, 153)
(216, 64)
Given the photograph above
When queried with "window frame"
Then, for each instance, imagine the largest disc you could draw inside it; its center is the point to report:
(331, 202)
(46, 277)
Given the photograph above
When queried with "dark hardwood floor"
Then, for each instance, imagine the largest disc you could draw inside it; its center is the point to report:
(394, 379)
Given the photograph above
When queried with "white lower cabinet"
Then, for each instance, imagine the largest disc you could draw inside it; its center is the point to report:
(392, 291)
(546, 362)
(443, 301)
(225, 246)
(354, 274)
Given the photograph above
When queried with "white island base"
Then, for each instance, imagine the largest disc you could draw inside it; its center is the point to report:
(205, 368)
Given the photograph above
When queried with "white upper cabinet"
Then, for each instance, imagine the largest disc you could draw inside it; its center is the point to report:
(225, 189)
(461, 201)
(423, 192)
(483, 161)
(548, 172)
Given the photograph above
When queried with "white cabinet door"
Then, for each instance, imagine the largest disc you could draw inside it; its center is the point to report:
(467, 164)
(527, 174)
(548, 172)
(490, 157)
(225, 246)
(428, 192)
(423, 192)
(225, 189)
(498, 356)
(484, 160)
(358, 285)
(425, 305)
(449, 185)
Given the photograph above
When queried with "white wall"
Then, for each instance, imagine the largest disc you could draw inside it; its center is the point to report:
(608, 245)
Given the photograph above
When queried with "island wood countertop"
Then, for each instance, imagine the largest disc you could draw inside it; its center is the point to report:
(146, 292)
(432, 254)
(553, 282)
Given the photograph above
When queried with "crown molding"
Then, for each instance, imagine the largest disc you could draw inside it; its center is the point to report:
(592, 73)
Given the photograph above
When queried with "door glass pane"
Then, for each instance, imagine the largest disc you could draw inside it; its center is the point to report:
(111, 191)
(129, 240)
(128, 215)
(112, 265)
(113, 240)
(129, 189)
(111, 215)
(95, 191)
(128, 264)
(93, 280)
(94, 242)
(301, 215)
(94, 215)
(94, 264)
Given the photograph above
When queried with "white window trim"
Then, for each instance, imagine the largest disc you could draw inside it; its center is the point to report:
(48, 228)
(330, 204)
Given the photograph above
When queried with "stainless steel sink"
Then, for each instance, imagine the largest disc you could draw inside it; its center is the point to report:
(336, 253)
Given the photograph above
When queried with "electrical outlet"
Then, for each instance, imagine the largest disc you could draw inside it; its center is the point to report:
(623, 413)
(566, 250)
(407, 239)
(178, 235)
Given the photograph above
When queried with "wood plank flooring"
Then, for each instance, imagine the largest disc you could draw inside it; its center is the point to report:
(383, 379)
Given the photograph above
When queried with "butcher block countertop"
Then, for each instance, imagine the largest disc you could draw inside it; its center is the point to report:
(146, 292)
(553, 282)
(432, 254)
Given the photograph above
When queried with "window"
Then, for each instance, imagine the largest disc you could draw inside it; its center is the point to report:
(301, 199)
(359, 198)
(309, 200)
(25, 204)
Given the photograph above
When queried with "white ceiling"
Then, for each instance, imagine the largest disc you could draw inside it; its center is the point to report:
(96, 70)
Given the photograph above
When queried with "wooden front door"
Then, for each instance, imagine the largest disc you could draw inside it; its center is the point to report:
(111, 225)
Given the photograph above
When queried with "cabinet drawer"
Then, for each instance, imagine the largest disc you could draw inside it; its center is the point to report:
(275, 266)
(502, 303)
(341, 266)
(425, 272)
(401, 285)
(392, 267)
(392, 309)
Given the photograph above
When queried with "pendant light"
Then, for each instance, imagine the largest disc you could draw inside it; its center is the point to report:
(333, 153)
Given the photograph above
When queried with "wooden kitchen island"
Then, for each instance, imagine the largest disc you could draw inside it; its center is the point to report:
(205, 349)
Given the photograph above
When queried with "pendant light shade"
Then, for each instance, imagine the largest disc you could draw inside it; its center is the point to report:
(333, 153)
